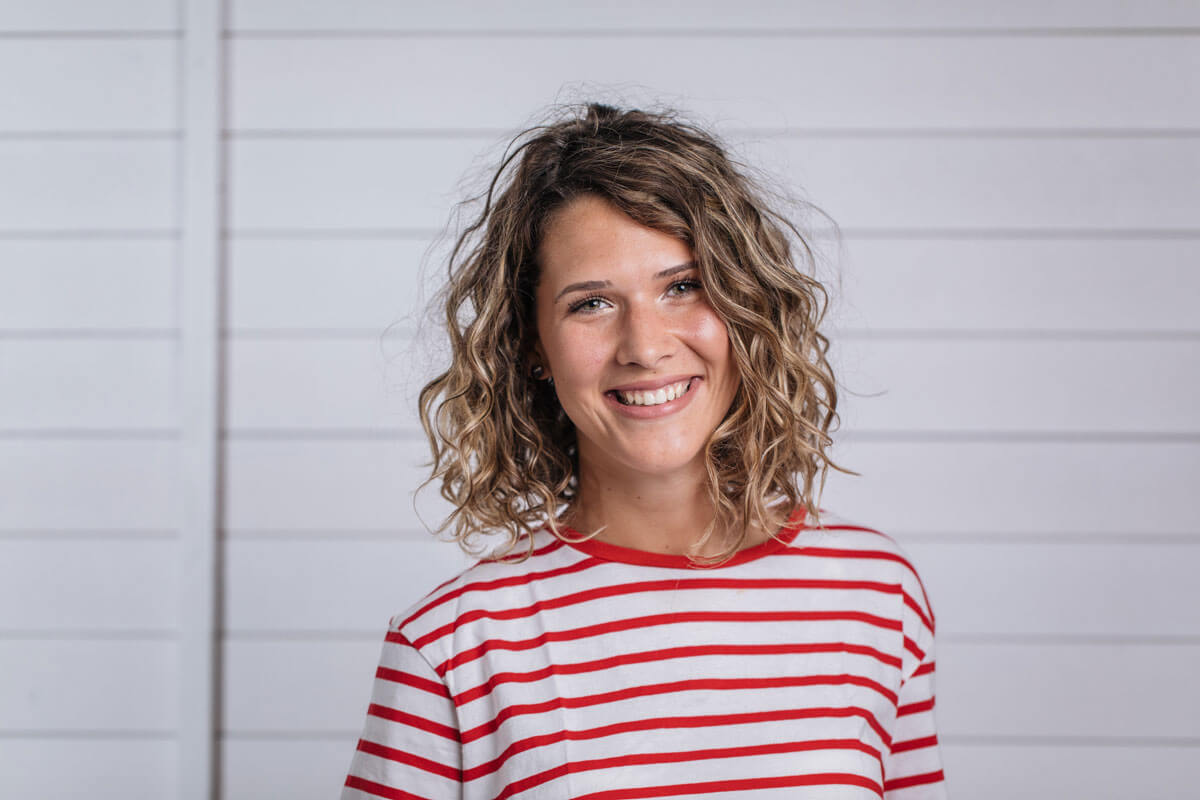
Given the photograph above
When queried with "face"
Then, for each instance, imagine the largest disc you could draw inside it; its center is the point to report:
(641, 362)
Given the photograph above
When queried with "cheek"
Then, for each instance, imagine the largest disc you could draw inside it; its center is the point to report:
(711, 338)
(578, 356)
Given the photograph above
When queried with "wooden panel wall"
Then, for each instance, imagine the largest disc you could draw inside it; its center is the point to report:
(89, 221)
(1019, 191)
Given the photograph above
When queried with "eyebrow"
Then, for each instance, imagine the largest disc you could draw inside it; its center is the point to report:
(584, 286)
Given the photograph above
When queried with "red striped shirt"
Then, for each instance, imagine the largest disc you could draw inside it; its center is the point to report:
(597, 671)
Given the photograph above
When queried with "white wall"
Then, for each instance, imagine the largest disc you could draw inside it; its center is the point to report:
(1019, 188)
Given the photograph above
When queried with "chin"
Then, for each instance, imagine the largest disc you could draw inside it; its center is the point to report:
(665, 464)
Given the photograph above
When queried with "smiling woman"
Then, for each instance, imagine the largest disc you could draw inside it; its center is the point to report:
(643, 368)
(635, 424)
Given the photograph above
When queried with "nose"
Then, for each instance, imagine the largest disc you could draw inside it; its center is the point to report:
(646, 337)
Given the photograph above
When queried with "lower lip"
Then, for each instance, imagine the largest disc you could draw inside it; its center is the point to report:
(654, 412)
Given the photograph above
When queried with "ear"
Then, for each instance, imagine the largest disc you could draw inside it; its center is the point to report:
(538, 355)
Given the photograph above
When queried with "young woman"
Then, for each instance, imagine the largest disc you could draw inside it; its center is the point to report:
(639, 406)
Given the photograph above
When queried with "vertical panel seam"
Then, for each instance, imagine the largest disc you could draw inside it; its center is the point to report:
(199, 294)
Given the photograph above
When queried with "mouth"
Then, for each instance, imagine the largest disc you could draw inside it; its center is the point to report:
(654, 397)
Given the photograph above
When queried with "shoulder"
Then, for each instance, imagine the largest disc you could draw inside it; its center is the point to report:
(866, 550)
(488, 585)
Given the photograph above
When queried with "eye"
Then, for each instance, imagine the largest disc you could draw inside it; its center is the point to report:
(592, 303)
(683, 287)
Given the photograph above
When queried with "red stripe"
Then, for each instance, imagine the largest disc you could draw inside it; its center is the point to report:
(664, 585)
(413, 721)
(926, 621)
(499, 583)
(653, 689)
(705, 787)
(925, 669)
(415, 681)
(893, 784)
(539, 778)
(379, 790)
(661, 723)
(516, 555)
(610, 552)
(915, 708)
(911, 647)
(665, 654)
(452, 579)
(549, 548)
(915, 744)
(615, 626)
(403, 757)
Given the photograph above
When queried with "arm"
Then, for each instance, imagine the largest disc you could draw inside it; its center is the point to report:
(913, 764)
(409, 748)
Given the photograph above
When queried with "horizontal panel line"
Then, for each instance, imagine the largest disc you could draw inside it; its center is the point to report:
(163, 33)
(1052, 538)
(830, 132)
(271, 636)
(1032, 437)
(421, 234)
(1046, 334)
(724, 32)
(91, 434)
(97, 534)
(96, 135)
(165, 234)
(406, 535)
(313, 333)
(328, 434)
(88, 634)
(88, 735)
(1070, 741)
(956, 234)
(232, 734)
(1036, 234)
(1070, 639)
(168, 334)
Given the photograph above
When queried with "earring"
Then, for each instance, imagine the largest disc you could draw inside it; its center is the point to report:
(537, 371)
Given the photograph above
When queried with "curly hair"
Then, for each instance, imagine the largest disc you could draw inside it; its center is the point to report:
(504, 449)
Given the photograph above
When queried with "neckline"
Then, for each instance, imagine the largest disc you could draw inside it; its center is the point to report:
(631, 555)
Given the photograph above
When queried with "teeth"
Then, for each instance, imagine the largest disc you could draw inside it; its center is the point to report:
(656, 397)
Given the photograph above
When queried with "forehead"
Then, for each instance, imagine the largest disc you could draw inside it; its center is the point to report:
(591, 234)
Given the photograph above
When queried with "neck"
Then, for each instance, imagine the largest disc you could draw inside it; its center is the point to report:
(658, 514)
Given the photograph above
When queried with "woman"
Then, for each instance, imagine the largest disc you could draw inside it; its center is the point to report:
(640, 401)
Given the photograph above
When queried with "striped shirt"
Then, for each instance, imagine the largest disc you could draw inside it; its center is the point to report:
(602, 672)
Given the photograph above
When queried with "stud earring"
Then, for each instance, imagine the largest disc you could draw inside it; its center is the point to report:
(537, 371)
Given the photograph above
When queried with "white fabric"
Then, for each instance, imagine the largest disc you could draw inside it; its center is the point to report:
(600, 672)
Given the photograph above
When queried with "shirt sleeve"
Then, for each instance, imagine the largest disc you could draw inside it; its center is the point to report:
(912, 767)
(410, 746)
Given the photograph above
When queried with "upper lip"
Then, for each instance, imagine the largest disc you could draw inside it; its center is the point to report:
(657, 383)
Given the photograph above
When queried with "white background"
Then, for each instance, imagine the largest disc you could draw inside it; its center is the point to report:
(1015, 329)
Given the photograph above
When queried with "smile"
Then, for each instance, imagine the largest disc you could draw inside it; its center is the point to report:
(655, 397)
